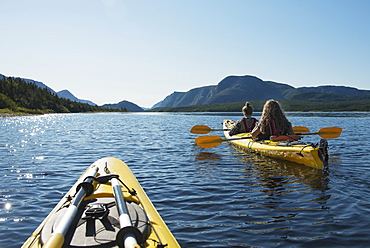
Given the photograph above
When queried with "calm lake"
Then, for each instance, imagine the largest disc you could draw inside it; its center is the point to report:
(218, 197)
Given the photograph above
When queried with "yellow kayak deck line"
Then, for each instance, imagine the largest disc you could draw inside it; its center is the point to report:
(299, 152)
(158, 234)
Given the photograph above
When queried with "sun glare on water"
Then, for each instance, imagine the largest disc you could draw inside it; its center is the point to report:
(8, 206)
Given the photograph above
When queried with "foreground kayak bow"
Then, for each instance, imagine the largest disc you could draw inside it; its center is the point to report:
(106, 207)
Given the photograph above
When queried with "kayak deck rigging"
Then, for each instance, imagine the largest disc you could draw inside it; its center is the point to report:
(114, 211)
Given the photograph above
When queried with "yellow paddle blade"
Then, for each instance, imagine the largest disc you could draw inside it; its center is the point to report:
(201, 129)
(300, 129)
(209, 141)
(329, 132)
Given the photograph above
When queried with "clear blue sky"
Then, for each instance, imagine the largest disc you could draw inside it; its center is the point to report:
(107, 51)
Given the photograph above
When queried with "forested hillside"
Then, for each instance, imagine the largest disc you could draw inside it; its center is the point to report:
(288, 105)
(132, 107)
(18, 96)
(250, 88)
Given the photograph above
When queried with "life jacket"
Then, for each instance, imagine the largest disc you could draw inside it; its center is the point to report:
(277, 135)
(273, 129)
(249, 128)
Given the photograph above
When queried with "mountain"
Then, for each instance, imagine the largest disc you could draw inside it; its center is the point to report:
(39, 84)
(68, 95)
(63, 94)
(230, 89)
(19, 96)
(328, 89)
(132, 107)
(250, 88)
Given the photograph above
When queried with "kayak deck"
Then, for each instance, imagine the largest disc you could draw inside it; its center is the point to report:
(98, 222)
(295, 151)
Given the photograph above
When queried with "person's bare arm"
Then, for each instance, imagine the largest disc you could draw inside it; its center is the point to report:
(255, 132)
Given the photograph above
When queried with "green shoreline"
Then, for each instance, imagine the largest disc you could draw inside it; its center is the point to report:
(3, 115)
(288, 106)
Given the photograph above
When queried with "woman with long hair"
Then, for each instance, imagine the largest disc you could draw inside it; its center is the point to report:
(273, 122)
(247, 123)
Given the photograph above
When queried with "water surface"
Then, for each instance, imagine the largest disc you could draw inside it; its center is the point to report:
(219, 197)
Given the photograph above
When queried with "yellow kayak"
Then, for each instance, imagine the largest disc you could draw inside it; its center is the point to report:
(296, 151)
(106, 207)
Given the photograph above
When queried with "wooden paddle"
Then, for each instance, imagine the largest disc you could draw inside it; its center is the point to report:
(326, 132)
(203, 129)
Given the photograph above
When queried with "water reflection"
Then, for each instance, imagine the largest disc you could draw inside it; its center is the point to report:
(275, 173)
(210, 156)
(7, 206)
(281, 193)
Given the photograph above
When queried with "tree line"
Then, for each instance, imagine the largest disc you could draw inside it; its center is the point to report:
(288, 105)
(18, 96)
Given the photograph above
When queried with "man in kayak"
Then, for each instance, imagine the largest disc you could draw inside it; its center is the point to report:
(273, 122)
(245, 124)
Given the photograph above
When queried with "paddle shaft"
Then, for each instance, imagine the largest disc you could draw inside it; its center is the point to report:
(307, 133)
(237, 138)
(203, 129)
(214, 140)
(124, 217)
(56, 239)
(326, 132)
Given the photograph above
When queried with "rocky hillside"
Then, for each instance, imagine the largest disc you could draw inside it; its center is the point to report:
(249, 88)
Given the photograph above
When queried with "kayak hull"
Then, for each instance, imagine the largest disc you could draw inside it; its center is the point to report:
(104, 229)
(295, 151)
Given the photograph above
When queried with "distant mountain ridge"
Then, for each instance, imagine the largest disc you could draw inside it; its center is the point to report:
(68, 95)
(232, 89)
(20, 97)
(132, 107)
(248, 88)
(63, 94)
